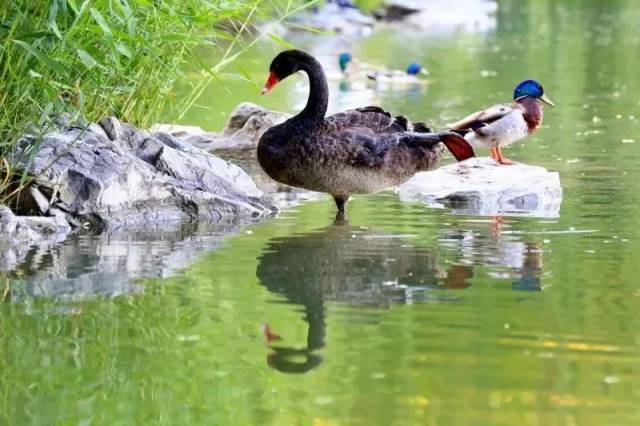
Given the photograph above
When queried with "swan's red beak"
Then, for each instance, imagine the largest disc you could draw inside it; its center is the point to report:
(271, 82)
(270, 335)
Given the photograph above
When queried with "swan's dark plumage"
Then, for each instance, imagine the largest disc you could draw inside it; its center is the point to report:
(352, 152)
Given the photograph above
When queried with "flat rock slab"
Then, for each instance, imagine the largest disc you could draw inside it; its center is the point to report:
(479, 186)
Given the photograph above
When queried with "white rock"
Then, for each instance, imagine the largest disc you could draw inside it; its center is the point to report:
(39, 198)
(479, 186)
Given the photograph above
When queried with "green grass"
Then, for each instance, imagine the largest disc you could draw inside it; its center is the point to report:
(97, 58)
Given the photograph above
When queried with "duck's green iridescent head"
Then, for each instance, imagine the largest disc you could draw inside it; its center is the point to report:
(343, 61)
(533, 89)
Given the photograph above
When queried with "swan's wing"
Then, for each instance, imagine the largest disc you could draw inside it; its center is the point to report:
(371, 137)
(372, 118)
(363, 147)
(482, 118)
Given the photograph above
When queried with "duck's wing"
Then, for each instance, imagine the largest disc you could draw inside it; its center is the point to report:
(482, 118)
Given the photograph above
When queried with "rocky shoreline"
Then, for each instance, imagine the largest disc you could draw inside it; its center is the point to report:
(113, 175)
(110, 178)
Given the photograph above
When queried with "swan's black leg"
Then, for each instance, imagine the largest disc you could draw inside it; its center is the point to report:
(341, 203)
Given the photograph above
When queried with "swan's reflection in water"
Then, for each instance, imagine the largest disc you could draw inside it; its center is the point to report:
(363, 267)
(352, 265)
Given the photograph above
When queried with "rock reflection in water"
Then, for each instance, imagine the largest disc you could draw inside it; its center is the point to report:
(353, 265)
(108, 264)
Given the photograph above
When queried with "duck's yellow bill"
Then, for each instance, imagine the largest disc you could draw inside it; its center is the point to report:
(547, 101)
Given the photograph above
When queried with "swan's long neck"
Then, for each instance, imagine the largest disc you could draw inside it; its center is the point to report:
(318, 100)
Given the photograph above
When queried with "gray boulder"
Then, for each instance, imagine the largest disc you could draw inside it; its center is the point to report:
(115, 175)
(479, 186)
(243, 130)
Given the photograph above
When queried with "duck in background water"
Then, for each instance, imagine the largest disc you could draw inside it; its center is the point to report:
(343, 62)
(410, 76)
(353, 152)
(348, 67)
(501, 125)
(345, 68)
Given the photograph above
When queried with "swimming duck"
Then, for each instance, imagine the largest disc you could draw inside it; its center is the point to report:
(344, 70)
(501, 125)
(348, 66)
(410, 75)
(343, 62)
(353, 152)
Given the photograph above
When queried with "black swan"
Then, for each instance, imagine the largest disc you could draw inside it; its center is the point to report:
(353, 152)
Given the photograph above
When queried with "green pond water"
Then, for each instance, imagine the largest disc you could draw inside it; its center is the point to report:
(404, 315)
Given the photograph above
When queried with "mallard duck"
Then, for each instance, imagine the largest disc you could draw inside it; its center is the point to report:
(501, 125)
(409, 76)
(343, 62)
(343, 71)
(348, 67)
(353, 152)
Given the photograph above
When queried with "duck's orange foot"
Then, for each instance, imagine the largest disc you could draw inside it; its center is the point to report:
(506, 161)
(496, 154)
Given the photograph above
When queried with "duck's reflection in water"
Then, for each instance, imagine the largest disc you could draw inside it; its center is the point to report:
(531, 269)
(353, 265)
(505, 255)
